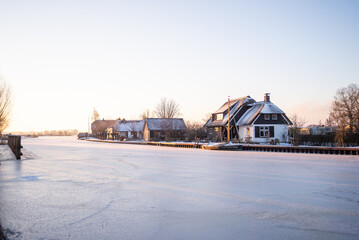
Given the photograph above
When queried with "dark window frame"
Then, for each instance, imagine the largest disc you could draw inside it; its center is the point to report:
(263, 131)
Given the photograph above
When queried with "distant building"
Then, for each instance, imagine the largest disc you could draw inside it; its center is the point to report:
(100, 128)
(304, 130)
(164, 129)
(250, 121)
(321, 129)
(129, 128)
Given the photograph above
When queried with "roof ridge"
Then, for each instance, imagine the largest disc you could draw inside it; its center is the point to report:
(256, 114)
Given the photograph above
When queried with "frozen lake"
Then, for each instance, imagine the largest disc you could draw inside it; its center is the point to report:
(70, 189)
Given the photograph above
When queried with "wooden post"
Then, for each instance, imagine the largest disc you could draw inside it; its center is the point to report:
(229, 122)
(14, 142)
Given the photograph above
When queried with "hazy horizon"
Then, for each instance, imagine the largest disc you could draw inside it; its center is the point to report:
(62, 59)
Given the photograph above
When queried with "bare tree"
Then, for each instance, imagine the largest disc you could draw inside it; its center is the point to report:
(95, 115)
(146, 114)
(297, 121)
(5, 105)
(167, 108)
(207, 117)
(195, 131)
(294, 131)
(344, 111)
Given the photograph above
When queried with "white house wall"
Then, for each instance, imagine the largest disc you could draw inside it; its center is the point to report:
(128, 134)
(279, 131)
(243, 133)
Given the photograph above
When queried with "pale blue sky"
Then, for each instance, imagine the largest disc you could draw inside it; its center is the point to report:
(62, 58)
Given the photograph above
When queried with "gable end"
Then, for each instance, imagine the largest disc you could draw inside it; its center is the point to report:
(280, 120)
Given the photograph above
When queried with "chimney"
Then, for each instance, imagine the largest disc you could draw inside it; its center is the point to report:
(266, 97)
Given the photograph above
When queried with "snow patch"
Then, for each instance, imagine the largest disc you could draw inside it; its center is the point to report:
(6, 153)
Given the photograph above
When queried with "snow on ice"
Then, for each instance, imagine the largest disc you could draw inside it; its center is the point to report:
(6, 153)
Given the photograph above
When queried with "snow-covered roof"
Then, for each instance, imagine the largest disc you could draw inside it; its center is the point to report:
(256, 109)
(253, 110)
(270, 108)
(235, 105)
(232, 102)
(250, 114)
(129, 125)
(165, 124)
(233, 111)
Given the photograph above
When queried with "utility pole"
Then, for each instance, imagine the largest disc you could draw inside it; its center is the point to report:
(229, 122)
(88, 127)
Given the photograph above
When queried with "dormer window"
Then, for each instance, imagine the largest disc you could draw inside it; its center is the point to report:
(219, 116)
(274, 117)
(266, 117)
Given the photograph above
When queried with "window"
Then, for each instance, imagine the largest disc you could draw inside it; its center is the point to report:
(274, 117)
(219, 116)
(264, 131)
(247, 131)
(266, 117)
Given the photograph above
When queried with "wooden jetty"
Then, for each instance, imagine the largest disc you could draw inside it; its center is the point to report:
(14, 142)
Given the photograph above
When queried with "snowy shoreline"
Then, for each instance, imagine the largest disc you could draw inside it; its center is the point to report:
(246, 147)
(6, 153)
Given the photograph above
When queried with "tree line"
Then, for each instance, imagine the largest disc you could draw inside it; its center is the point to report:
(344, 114)
(166, 108)
(64, 132)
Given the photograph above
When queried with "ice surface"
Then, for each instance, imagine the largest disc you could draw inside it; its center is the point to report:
(71, 189)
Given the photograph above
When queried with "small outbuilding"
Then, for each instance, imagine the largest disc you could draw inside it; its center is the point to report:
(159, 129)
(129, 129)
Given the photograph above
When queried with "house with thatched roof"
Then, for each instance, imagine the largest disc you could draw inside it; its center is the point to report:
(249, 120)
(129, 129)
(159, 129)
(102, 128)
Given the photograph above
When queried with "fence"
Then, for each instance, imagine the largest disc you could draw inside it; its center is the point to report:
(315, 150)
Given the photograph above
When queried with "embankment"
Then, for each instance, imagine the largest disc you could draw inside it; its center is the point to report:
(250, 147)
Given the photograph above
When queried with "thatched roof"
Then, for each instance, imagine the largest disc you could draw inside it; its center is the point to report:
(100, 126)
(163, 124)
